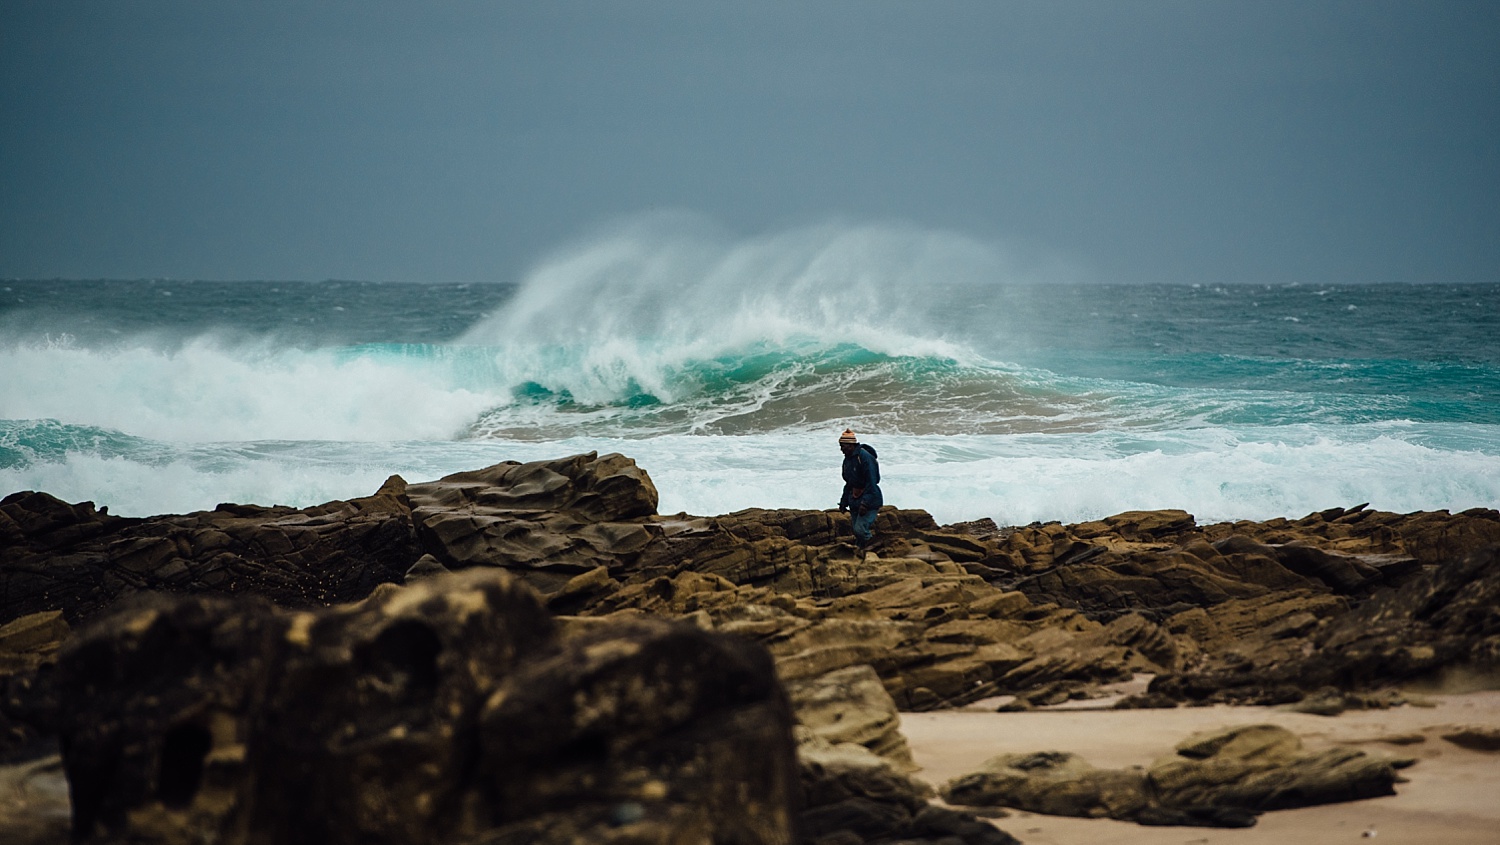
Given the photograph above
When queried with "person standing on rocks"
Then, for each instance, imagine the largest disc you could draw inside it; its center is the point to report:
(861, 487)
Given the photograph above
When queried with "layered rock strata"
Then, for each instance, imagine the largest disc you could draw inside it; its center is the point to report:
(945, 615)
(1337, 605)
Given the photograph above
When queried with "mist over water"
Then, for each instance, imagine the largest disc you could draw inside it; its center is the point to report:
(667, 325)
(677, 283)
(667, 311)
(726, 366)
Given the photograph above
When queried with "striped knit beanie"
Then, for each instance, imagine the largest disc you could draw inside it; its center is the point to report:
(847, 436)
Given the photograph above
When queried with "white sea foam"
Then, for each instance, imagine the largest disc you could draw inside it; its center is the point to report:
(208, 391)
(1216, 474)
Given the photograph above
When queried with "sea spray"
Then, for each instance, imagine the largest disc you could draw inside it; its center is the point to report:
(630, 312)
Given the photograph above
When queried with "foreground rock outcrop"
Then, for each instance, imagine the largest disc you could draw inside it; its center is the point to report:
(453, 710)
(539, 596)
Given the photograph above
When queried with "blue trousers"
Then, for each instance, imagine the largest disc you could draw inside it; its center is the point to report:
(863, 524)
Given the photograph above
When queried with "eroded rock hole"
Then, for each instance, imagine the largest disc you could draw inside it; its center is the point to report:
(405, 655)
(182, 753)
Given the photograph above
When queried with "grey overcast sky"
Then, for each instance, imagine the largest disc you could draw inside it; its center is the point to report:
(1137, 140)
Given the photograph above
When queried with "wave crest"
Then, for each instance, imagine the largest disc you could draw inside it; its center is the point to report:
(766, 388)
(664, 323)
(677, 282)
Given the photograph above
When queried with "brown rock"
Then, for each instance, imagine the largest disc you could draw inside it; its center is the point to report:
(333, 552)
(1220, 778)
(1054, 783)
(1442, 621)
(1150, 525)
(654, 715)
(854, 796)
(28, 648)
(1263, 767)
(445, 711)
(1474, 738)
(594, 489)
(31, 640)
(851, 706)
(546, 521)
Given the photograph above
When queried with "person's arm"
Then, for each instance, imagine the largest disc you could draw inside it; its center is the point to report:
(857, 494)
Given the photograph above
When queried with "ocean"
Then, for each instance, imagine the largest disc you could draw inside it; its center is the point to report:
(728, 371)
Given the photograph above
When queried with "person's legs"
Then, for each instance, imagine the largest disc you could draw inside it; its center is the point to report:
(864, 526)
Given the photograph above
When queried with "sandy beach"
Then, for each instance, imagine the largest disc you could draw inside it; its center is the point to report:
(1449, 799)
(1452, 796)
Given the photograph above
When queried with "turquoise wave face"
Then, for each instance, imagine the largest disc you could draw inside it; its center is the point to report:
(771, 390)
(1242, 390)
(25, 442)
(387, 391)
(638, 391)
(1420, 380)
(765, 389)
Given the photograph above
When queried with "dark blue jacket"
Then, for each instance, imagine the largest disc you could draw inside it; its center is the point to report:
(862, 469)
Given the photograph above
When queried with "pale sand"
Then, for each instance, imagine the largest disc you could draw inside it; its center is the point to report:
(1452, 797)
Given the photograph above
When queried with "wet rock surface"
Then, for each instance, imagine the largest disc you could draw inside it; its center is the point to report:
(387, 638)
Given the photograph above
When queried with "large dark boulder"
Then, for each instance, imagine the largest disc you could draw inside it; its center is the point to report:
(51, 555)
(367, 724)
(593, 488)
(637, 723)
(154, 712)
(446, 711)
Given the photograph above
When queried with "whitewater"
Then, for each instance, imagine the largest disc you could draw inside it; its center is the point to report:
(728, 366)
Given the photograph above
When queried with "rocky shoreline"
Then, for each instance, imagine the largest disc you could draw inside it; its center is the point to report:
(530, 653)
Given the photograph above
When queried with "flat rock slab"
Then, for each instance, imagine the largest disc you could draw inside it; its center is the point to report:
(1220, 778)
